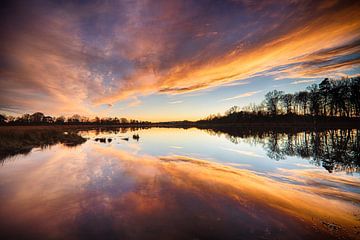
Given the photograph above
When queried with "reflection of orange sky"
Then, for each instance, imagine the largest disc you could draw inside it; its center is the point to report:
(61, 187)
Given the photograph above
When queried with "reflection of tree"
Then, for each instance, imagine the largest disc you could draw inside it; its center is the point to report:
(274, 147)
(335, 150)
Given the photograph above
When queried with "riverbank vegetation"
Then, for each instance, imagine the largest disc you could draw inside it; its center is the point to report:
(40, 118)
(329, 101)
(333, 103)
(21, 140)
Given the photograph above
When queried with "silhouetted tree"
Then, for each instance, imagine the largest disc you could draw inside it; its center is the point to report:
(74, 118)
(355, 96)
(2, 118)
(325, 88)
(37, 117)
(302, 99)
(48, 119)
(272, 100)
(60, 120)
(124, 120)
(331, 98)
(314, 100)
(232, 110)
(287, 102)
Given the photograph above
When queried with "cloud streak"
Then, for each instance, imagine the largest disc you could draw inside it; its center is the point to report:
(243, 95)
(175, 102)
(303, 81)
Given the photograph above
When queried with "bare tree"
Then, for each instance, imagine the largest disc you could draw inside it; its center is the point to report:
(272, 100)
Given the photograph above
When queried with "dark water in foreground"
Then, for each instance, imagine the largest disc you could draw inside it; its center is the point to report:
(185, 184)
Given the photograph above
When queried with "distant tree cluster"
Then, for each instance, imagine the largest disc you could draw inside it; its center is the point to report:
(39, 118)
(330, 98)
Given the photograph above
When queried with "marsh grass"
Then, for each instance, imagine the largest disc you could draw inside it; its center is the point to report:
(22, 139)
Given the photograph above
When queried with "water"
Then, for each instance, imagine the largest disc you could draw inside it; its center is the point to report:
(185, 184)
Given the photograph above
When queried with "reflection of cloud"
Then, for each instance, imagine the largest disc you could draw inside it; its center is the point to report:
(58, 58)
(247, 153)
(318, 182)
(238, 164)
(134, 147)
(177, 147)
(243, 95)
(304, 165)
(316, 177)
(124, 193)
(175, 102)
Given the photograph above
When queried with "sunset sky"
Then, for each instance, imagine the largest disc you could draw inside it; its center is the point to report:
(168, 59)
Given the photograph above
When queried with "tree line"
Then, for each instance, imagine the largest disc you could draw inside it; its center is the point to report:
(40, 118)
(331, 98)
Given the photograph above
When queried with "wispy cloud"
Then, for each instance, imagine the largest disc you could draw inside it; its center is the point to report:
(303, 81)
(176, 102)
(243, 95)
(134, 102)
(236, 83)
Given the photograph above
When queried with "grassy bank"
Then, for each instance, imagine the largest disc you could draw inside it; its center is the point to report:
(22, 139)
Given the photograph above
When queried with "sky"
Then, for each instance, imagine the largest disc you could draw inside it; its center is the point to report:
(164, 60)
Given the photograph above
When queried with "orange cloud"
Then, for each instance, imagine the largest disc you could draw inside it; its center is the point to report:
(305, 39)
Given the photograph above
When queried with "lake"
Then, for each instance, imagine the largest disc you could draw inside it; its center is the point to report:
(173, 183)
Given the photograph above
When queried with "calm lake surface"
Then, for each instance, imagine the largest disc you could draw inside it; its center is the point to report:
(185, 184)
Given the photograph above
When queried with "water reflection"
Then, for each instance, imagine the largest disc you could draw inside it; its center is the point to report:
(192, 186)
(22, 139)
(335, 150)
(102, 192)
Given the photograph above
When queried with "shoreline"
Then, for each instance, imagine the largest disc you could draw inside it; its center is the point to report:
(273, 124)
